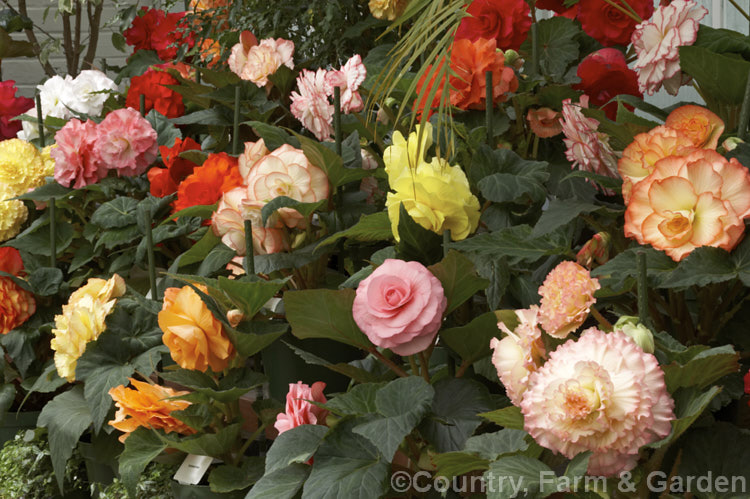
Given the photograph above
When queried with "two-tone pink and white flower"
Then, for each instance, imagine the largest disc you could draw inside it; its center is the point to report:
(348, 79)
(255, 61)
(657, 42)
(311, 105)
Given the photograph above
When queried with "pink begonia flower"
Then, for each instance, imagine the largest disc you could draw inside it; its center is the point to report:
(603, 394)
(348, 79)
(298, 410)
(519, 354)
(657, 42)
(567, 295)
(256, 62)
(287, 172)
(77, 159)
(400, 306)
(127, 142)
(311, 105)
(587, 149)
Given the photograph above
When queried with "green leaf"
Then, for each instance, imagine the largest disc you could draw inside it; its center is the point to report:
(200, 250)
(607, 182)
(472, 341)
(401, 405)
(233, 385)
(560, 212)
(507, 417)
(226, 478)
(512, 188)
(375, 227)
(204, 444)
(614, 273)
(557, 46)
(44, 193)
(46, 281)
(516, 242)
(577, 466)
(452, 464)
(216, 260)
(359, 401)
(265, 264)
(141, 447)
(281, 484)
(521, 474)
(324, 313)
(723, 40)
(66, 417)
(348, 370)
(493, 445)
(721, 78)
(297, 445)
(702, 266)
(416, 242)
(166, 132)
(47, 382)
(212, 116)
(305, 209)
(459, 279)
(250, 296)
(273, 136)
(487, 162)
(115, 214)
(252, 337)
(703, 369)
(7, 396)
(200, 210)
(689, 405)
(455, 413)
(35, 240)
(330, 162)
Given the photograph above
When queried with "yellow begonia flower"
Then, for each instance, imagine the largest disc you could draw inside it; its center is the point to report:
(48, 161)
(21, 166)
(387, 9)
(13, 213)
(402, 156)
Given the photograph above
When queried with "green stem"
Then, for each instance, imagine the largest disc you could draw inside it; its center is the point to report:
(642, 288)
(142, 104)
(52, 205)
(337, 118)
(413, 364)
(425, 366)
(489, 106)
(388, 362)
(236, 123)
(534, 54)
(249, 261)
(150, 253)
(446, 241)
(744, 112)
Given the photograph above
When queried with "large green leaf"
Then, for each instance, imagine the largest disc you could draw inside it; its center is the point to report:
(375, 227)
(416, 242)
(141, 447)
(472, 341)
(561, 212)
(250, 296)
(66, 417)
(359, 401)
(200, 250)
(703, 369)
(330, 162)
(294, 446)
(723, 41)
(614, 273)
(493, 445)
(689, 405)
(305, 209)
(507, 417)
(356, 373)
(557, 46)
(721, 77)
(235, 383)
(52, 190)
(274, 137)
(166, 132)
(512, 188)
(324, 313)
(115, 214)
(516, 242)
(204, 444)
(450, 464)
(459, 279)
(521, 475)
(281, 484)
(251, 337)
(36, 239)
(227, 478)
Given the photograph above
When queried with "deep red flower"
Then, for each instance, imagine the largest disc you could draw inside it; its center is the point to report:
(155, 30)
(158, 96)
(604, 75)
(142, 28)
(178, 167)
(10, 107)
(10, 261)
(558, 6)
(608, 24)
(506, 21)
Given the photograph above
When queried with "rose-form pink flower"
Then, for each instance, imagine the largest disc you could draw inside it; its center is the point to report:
(311, 105)
(567, 295)
(257, 62)
(400, 306)
(657, 42)
(603, 394)
(254, 151)
(287, 172)
(587, 149)
(77, 159)
(298, 410)
(127, 142)
(519, 354)
(348, 79)
(686, 202)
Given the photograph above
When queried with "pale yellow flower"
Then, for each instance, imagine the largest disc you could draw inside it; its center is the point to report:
(13, 213)
(21, 166)
(403, 154)
(387, 9)
(49, 162)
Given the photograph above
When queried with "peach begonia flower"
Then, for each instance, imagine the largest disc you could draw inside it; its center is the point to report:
(519, 354)
(567, 295)
(657, 42)
(544, 122)
(298, 410)
(698, 123)
(311, 105)
(639, 158)
(687, 202)
(255, 61)
(603, 394)
(348, 79)
(195, 338)
(83, 320)
(148, 406)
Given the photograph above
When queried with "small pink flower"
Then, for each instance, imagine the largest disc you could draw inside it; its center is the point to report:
(127, 142)
(257, 62)
(602, 393)
(77, 159)
(311, 105)
(588, 149)
(348, 78)
(519, 354)
(657, 42)
(567, 294)
(400, 306)
(298, 410)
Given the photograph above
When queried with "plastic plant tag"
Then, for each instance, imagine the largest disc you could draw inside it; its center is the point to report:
(192, 469)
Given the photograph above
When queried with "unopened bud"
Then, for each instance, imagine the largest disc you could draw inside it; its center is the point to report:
(596, 250)
(731, 143)
(639, 333)
(234, 317)
(513, 59)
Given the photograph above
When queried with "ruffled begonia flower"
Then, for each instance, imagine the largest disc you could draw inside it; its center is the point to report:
(387, 9)
(404, 155)
(164, 181)
(253, 152)
(657, 42)
(640, 156)
(470, 60)
(161, 183)
(567, 295)
(13, 213)
(195, 338)
(127, 142)
(298, 410)
(544, 122)
(603, 394)
(148, 406)
(604, 74)
(89, 91)
(156, 30)
(54, 94)
(83, 320)
(10, 107)
(690, 201)
(348, 79)
(153, 85)
(21, 166)
(255, 61)
(400, 306)
(77, 159)
(587, 149)
(698, 123)
(608, 24)
(11, 261)
(287, 172)
(519, 353)
(16, 304)
(505, 21)
(311, 105)
(218, 174)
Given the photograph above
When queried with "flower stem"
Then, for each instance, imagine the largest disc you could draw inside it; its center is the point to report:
(236, 123)
(388, 362)
(600, 319)
(740, 9)
(425, 366)
(744, 113)
(642, 278)
(249, 262)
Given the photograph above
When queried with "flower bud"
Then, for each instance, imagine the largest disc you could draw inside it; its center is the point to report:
(596, 249)
(234, 317)
(513, 59)
(731, 143)
(639, 333)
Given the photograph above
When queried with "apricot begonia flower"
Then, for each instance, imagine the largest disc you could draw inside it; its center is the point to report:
(567, 295)
(698, 123)
(697, 200)
(544, 122)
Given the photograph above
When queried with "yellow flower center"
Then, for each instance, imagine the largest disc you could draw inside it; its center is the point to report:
(676, 226)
